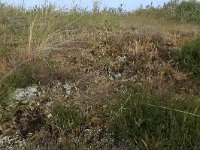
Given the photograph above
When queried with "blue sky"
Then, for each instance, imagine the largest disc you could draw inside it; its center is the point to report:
(128, 4)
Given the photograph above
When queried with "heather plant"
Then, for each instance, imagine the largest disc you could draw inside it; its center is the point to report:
(66, 117)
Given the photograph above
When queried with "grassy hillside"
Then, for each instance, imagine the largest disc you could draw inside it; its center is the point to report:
(100, 79)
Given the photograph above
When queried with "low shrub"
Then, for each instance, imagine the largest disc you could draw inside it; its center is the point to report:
(188, 11)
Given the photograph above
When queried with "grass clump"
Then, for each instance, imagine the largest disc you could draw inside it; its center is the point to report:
(67, 117)
(149, 120)
(189, 57)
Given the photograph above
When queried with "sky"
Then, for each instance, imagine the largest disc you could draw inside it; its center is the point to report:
(128, 4)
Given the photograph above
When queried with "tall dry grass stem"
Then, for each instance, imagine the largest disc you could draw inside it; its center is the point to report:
(31, 34)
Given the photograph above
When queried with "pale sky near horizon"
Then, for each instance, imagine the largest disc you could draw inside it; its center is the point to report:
(128, 4)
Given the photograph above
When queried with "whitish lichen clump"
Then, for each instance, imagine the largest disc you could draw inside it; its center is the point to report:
(28, 93)
(33, 92)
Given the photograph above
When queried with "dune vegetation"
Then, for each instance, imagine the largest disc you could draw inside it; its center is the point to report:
(100, 79)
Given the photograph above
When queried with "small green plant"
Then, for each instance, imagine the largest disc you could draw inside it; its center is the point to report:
(3, 51)
(66, 117)
(189, 57)
(21, 78)
(149, 121)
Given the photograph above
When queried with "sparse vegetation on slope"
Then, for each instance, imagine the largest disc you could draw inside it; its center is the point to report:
(101, 79)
